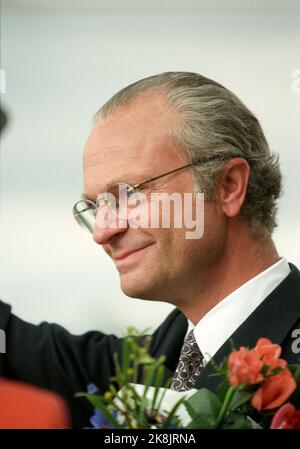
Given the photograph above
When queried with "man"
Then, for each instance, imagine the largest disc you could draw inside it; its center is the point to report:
(174, 133)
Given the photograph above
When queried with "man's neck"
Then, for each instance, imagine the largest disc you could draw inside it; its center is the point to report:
(243, 261)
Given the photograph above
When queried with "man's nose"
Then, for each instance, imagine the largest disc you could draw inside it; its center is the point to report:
(105, 229)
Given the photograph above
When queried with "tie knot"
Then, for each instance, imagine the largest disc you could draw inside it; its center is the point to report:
(190, 342)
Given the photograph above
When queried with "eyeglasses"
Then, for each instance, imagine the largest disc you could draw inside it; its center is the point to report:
(85, 210)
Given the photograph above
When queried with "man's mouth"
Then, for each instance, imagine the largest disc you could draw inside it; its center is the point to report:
(129, 254)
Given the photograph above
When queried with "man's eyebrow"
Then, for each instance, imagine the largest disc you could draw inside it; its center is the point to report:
(84, 196)
(105, 188)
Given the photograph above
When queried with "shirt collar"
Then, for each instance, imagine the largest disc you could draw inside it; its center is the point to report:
(224, 318)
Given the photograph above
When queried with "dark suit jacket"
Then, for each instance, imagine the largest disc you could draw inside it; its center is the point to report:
(50, 357)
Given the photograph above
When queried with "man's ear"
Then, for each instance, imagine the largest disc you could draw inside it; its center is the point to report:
(233, 186)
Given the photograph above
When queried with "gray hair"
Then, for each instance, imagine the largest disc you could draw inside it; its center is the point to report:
(214, 121)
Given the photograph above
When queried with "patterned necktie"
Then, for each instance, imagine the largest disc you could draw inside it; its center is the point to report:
(189, 366)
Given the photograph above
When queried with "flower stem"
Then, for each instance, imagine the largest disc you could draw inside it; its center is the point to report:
(225, 405)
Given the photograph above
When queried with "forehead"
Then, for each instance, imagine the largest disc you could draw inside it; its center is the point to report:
(131, 144)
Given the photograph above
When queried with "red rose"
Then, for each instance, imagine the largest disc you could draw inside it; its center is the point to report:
(269, 354)
(274, 391)
(287, 417)
(244, 367)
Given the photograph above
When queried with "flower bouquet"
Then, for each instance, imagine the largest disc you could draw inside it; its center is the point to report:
(257, 389)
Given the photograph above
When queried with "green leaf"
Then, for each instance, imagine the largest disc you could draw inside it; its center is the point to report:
(172, 414)
(264, 370)
(161, 399)
(233, 348)
(146, 360)
(96, 401)
(158, 384)
(236, 421)
(125, 357)
(275, 371)
(221, 369)
(203, 402)
(202, 422)
(222, 390)
(113, 390)
(240, 398)
(148, 377)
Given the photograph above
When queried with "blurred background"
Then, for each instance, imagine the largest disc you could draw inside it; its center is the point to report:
(60, 60)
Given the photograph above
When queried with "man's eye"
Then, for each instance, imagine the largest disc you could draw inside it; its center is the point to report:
(144, 189)
(102, 200)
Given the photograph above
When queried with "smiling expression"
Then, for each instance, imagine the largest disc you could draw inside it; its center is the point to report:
(130, 145)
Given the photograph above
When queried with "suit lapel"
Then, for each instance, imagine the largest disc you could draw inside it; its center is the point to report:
(272, 319)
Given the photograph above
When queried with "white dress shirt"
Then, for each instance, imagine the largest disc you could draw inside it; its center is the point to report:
(224, 318)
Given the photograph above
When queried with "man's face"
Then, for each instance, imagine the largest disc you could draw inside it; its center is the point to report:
(131, 145)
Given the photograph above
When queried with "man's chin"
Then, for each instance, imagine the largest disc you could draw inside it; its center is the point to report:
(137, 290)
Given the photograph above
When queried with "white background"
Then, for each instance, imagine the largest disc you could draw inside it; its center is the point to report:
(62, 60)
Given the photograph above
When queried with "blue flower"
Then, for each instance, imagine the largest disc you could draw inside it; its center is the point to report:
(98, 421)
(92, 388)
